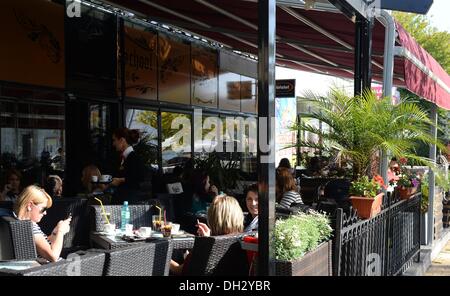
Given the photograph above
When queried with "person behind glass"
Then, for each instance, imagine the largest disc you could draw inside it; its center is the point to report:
(225, 216)
(286, 190)
(251, 201)
(203, 191)
(32, 204)
(54, 186)
(12, 187)
(132, 171)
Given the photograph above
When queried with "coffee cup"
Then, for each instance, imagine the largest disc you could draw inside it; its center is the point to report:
(145, 231)
(175, 228)
(94, 179)
(105, 178)
(110, 228)
(129, 229)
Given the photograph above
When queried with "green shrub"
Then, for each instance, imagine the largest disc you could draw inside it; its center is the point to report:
(299, 234)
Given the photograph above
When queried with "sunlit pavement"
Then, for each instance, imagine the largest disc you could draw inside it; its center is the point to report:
(441, 264)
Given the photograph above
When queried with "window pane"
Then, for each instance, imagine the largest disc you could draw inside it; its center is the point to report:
(32, 140)
(176, 139)
(147, 123)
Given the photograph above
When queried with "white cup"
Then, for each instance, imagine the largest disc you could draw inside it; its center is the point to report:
(175, 228)
(129, 229)
(105, 178)
(94, 178)
(110, 228)
(145, 231)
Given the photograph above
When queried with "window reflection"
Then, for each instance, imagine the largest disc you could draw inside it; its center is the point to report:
(146, 122)
(176, 139)
(32, 139)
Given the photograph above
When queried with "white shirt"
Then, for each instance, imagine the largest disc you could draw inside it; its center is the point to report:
(127, 152)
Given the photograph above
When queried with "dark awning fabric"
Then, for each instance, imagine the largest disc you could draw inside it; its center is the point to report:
(325, 47)
(432, 84)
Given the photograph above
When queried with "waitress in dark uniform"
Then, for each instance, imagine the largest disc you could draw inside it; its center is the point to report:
(131, 172)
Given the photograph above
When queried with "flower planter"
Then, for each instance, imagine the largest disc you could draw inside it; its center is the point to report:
(367, 207)
(406, 192)
(314, 263)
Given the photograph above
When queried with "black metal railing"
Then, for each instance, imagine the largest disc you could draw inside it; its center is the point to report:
(382, 245)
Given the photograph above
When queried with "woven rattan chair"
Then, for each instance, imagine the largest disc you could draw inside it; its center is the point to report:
(16, 239)
(129, 261)
(219, 255)
(81, 264)
(78, 236)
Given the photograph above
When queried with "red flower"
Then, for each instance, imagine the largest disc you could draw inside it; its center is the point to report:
(378, 179)
(403, 160)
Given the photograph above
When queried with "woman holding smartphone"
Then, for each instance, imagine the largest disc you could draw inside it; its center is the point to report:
(11, 190)
(32, 204)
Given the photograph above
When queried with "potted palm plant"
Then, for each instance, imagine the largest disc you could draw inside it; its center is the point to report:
(358, 128)
(366, 197)
(302, 245)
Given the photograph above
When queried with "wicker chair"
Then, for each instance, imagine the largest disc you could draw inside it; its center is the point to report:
(16, 239)
(129, 261)
(219, 255)
(140, 215)
(85, 264)
(78, 236)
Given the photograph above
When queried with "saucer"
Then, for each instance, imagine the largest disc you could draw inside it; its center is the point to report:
(142, 236)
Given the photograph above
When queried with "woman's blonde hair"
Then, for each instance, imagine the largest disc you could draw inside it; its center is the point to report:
(86, 176)
(32, 194)
(225, 216)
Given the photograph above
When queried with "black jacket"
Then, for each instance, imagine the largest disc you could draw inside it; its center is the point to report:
(133, 171)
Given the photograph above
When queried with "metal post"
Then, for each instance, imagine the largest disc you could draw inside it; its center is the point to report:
(338, 242)
(388, 70)
(357, 74)
(123, 93)
(367, 55)
(431, 177)
(266, 111)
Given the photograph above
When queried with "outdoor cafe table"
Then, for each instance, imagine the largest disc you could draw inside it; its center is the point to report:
(113, 242)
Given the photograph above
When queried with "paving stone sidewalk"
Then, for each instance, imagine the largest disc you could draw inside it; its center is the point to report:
(441, 264)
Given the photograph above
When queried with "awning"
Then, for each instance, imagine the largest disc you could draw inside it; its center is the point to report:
(319, 41)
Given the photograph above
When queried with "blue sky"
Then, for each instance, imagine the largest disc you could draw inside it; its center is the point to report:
(439, 14)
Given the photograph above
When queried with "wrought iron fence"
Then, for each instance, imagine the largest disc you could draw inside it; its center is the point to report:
(382, 245)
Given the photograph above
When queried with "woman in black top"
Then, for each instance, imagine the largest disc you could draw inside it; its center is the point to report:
(131, 172)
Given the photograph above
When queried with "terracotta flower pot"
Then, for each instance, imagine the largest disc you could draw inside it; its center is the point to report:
(406, 192)
(367, 207)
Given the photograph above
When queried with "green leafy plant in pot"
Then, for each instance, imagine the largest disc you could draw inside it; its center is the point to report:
(366, 197)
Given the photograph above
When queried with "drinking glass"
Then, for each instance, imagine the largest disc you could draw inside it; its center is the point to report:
(157, 222)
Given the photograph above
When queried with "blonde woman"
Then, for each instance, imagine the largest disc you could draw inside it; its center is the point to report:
(225, 216)
(32, 204)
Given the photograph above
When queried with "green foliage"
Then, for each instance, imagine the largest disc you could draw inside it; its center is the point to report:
(361, 126)
(147, 151)
(364, 187)
(222, 169)
(299, 234)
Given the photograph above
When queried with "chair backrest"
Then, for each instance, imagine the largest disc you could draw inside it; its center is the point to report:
(219, 255)
(140, 215)
(79, 226)
(79, 264)
(337, 189)
(129, 261)
(16, 239)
